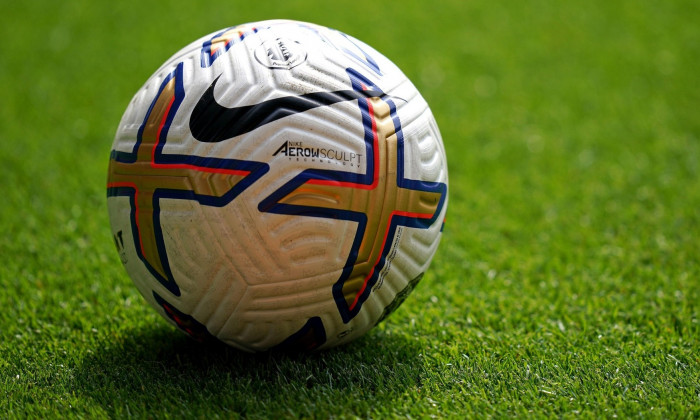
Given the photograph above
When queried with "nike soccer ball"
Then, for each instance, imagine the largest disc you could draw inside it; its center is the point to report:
(277, 185)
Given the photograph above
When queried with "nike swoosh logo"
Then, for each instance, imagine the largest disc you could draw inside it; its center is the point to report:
(211, 122)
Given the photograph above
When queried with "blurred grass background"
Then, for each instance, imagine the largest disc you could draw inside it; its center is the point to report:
(567, 281)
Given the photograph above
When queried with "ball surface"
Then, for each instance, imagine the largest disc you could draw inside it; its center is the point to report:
(277, 185)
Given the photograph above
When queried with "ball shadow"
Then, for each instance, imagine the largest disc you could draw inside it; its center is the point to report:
(157, 367)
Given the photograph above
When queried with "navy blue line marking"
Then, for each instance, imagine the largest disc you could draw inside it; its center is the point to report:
(309, 337)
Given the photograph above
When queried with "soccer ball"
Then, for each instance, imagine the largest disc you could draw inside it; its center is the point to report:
(277, 185)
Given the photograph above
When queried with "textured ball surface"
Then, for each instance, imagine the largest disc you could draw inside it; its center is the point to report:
(277, 185)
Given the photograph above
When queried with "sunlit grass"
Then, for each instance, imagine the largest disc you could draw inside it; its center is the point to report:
(567, 281)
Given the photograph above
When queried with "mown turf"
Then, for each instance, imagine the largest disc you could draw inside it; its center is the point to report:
(567, 283)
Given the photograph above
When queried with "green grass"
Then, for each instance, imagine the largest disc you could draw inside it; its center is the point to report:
(568, 280)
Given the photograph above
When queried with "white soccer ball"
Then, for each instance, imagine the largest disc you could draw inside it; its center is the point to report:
(277, 184)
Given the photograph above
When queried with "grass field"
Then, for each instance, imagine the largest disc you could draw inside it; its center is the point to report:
(568, 279)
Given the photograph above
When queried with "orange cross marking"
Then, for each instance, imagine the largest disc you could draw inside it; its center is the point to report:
(220, 43)
(222, 40)
(149, 181)
(380, 201)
